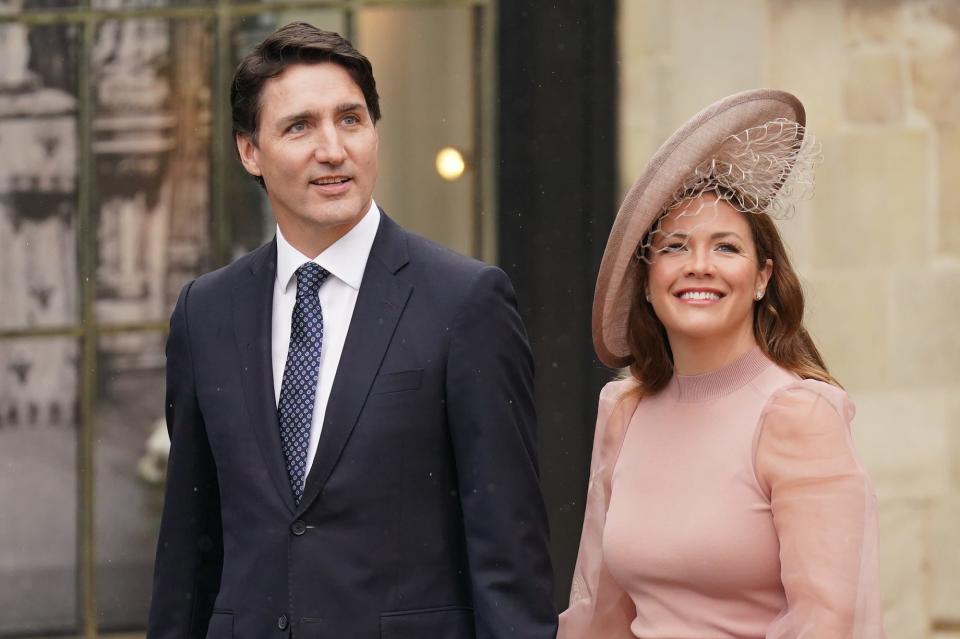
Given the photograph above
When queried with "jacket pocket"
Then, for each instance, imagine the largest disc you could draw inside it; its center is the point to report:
(393, 382)
(447, 622)
(221, 625)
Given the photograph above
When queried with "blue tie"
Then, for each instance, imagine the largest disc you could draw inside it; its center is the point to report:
(299, 386)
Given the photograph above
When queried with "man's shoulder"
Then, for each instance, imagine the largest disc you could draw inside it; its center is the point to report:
(442, 262)
(224, 279)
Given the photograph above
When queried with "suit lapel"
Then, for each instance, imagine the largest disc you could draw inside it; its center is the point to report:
(380, 304)
(252, 319)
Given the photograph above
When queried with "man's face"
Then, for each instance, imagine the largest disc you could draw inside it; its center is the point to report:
(316, 153)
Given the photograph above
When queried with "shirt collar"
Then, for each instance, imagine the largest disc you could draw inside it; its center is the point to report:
(345, 259)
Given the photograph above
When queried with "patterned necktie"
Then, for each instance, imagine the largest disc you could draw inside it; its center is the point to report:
(299, 386)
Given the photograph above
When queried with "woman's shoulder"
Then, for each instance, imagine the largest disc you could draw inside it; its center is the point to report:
(805, 431)
(618, 401)
(800, 397)
(618, 389)
(620, 398)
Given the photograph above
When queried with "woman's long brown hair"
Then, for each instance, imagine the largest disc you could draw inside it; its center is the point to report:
(777, 319)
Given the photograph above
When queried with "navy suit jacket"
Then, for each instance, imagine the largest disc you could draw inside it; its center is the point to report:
(422, 515)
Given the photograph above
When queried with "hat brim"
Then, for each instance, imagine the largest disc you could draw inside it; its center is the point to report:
(696, 141)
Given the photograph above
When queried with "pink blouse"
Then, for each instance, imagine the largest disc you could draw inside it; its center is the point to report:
(729, 505)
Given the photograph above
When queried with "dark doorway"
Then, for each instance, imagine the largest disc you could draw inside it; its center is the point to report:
(557, 72)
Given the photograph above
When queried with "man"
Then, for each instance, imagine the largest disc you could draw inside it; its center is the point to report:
(350, 406)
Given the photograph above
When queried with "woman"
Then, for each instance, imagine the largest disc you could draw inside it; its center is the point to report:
(725, 497)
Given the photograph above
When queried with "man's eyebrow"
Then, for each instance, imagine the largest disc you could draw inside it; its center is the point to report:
(344, 107)
(295, 117)
(350, 106)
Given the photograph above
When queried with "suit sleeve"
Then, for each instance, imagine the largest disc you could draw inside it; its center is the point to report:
(490, 407)
(189, 549)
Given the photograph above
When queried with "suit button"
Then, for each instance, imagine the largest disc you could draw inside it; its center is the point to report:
(298, 528)
(282, 622)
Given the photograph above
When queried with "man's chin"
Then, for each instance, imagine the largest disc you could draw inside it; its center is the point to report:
(337, 216)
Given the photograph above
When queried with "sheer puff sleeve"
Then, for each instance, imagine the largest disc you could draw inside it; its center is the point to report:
(599, 607)
(825, 513)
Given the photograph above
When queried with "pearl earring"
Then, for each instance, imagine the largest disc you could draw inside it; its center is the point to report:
(759, 294)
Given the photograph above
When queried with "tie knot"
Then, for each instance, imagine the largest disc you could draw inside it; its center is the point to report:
(310, 277)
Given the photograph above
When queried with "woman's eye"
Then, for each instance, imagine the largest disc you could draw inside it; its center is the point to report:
(673, 247)
(728, 248)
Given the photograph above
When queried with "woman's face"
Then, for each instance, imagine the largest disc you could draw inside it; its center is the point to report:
(704, 274)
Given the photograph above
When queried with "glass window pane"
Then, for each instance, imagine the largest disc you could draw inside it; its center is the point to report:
(39, 283)
(130, 459)
(151, 148)
(251, 222)
(38, 485)
(137, 4)
(36, 5)
(423, 59)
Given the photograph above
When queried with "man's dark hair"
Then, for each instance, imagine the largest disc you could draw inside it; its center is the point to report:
(296, 43)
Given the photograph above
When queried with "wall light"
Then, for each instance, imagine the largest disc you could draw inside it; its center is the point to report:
(450, 163)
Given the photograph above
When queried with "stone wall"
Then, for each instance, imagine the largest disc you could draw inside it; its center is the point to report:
(878, 247)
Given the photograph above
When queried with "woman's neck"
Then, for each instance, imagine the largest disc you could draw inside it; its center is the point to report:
(697, 356)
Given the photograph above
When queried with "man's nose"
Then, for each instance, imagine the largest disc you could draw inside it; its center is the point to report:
(329, 147)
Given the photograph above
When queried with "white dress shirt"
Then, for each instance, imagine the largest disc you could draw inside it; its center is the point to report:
(346, 260)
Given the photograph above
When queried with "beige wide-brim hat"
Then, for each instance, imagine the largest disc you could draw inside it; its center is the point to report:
(693, 143)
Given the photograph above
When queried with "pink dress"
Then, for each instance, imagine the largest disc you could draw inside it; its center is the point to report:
(728, 505)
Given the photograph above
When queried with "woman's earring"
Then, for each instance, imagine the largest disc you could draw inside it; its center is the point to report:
(648, 296)
(759, 294)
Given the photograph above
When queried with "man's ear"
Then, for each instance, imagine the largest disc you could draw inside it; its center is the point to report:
(248, 154)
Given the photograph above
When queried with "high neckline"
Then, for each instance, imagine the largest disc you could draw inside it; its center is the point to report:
(723, 381)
